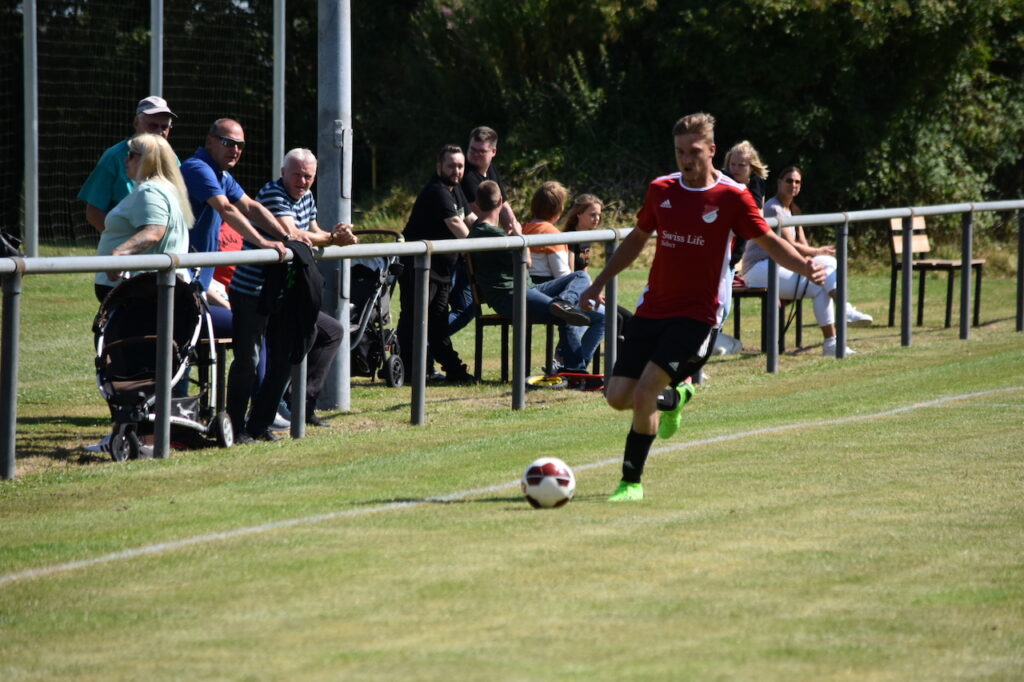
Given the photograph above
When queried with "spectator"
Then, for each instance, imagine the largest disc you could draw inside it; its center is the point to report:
(585, 214)
(743, 164)
(440, 212)
(555, 301)
(483, 146)
(154, 217)
(793, 285)
(694, 212)
(289, 200)
(216, 197)
(109, 183)
(552, 261)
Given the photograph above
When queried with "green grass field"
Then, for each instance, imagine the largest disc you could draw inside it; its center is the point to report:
(857, 519)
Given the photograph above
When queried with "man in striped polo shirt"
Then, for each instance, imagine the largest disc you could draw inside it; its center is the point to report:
(290, 201)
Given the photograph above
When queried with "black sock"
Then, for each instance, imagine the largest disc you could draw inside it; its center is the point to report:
(638, 446)
(668, 399)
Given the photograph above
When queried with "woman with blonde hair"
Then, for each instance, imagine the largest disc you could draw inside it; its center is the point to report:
(154, 218)
(744, 165)
(585, 214)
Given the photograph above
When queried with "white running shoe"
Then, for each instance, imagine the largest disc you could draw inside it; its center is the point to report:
(828, 348)
(727, 345)
(855, 318)
(280, 423)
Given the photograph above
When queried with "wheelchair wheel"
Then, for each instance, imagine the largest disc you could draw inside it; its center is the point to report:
(394, 372)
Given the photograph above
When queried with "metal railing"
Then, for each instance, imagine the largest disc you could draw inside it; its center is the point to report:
(13, 270)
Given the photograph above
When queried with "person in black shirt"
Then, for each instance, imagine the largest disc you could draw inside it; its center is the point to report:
(483, 146)
(440, 212)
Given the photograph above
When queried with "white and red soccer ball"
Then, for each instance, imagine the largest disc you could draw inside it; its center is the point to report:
(548, 483)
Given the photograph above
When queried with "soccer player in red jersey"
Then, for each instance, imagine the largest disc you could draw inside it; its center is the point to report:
(695, 214)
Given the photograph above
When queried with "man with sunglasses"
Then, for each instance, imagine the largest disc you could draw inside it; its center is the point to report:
(217, 197)
(109, 183)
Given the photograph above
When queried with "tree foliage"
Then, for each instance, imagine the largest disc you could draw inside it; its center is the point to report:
(881, 102)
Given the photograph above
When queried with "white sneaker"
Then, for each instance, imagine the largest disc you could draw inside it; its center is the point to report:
(102, 446)
(855, 318)
(828, 348)
(280, 423)
(727, 345)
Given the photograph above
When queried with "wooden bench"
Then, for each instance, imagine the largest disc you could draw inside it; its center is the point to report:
(761, 293)
(921, 245)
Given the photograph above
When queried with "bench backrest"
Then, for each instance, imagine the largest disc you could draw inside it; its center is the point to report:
(920, 243)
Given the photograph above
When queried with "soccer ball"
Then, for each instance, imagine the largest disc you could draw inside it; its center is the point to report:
(548, 482)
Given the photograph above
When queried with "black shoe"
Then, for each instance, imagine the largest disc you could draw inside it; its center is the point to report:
(313, 420)
(242, 437)
(568, 313)
(462, 378)
(264, 435)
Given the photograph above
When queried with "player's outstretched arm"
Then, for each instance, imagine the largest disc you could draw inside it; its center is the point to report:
(627, 252)
(783, 253)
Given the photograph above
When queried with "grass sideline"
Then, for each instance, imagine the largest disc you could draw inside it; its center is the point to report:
(884, 549)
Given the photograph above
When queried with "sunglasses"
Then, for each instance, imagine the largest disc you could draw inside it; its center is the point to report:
(229, 143)
(158, 127)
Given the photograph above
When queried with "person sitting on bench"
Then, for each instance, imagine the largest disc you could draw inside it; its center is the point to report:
(556, 301)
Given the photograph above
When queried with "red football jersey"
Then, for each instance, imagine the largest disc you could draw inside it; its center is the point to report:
(695, 227)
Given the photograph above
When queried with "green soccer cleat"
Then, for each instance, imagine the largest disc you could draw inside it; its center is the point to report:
(669, 422)
(627, 492)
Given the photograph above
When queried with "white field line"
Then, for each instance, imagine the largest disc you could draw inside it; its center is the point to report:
(161, 547)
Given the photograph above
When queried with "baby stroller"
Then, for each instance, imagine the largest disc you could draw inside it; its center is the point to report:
(126, 361)
(375, 349)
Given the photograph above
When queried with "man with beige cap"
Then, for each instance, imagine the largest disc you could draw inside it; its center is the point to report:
(109, 182)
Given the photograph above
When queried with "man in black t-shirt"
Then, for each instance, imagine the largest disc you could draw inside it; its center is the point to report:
(440, 212)
(483, 146)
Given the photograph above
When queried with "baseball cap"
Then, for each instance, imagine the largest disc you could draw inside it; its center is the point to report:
(154, 105)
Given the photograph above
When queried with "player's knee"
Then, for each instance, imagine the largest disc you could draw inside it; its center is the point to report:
(619, 400)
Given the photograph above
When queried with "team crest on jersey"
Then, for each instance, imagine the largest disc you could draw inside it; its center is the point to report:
(710, 214)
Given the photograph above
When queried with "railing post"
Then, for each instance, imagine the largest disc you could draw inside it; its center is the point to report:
(9, 372)
(842, 236)
(611, 313)
(298, 392)
(519, 323)
(1020, 270)
(906, 331)
(419, 338)
(166, 281)
(967, 255)
(772, 318)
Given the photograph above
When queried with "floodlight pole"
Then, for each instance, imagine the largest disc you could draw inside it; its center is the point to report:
(30, 89)
(334, 198)
(156, 47)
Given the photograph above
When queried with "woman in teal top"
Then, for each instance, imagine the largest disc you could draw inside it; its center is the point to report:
(154, 218)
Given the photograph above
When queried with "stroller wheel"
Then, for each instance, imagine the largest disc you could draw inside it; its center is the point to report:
(394, 372)
(125, 444)
(225, 432)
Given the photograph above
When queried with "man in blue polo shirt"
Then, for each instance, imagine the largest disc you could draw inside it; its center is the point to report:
(216, 197)
(109, 183)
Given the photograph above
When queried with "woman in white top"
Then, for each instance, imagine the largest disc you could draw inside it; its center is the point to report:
(791, 285)
(154, 218)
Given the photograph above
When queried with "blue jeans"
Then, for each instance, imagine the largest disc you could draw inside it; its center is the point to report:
(577, 343)
(460, 299)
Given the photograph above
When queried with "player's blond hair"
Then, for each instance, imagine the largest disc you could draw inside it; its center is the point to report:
(696, 124)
